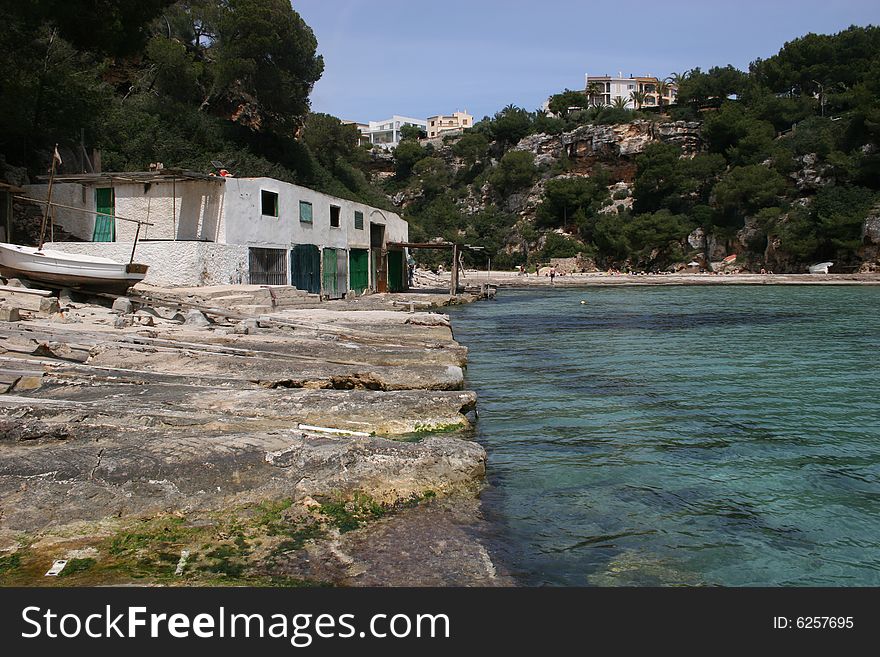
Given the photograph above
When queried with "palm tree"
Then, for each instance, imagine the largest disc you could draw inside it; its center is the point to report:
(638, 98)
(662, 90)
(619, 102)
(592, 92)
(677, 78)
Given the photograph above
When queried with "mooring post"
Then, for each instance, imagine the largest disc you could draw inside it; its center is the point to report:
(453, 285)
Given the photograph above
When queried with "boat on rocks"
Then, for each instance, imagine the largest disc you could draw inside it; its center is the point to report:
(69, 270)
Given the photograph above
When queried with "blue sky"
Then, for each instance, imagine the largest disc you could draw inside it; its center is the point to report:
(419, 58)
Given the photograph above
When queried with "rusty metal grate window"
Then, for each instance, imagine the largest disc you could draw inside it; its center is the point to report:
(267, 266)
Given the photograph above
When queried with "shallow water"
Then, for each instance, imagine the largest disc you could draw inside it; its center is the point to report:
(682, 435)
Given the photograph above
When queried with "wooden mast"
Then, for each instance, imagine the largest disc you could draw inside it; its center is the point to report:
(55, 157)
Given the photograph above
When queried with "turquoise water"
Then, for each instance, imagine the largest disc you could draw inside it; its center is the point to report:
(682, 435)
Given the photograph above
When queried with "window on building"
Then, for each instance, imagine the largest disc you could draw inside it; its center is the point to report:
(305, 212)
(358, 220)
(334, 216)
(268, 203)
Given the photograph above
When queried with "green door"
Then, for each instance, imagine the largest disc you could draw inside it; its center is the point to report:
(359, 266)
(105, 222)
(396, 280)
(305, 268)
(329, 284)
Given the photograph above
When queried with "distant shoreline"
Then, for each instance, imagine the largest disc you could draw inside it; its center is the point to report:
(512, 279)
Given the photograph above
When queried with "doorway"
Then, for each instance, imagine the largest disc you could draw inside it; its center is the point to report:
(378, 260)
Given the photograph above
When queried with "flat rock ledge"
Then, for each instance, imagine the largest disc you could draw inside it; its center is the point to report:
(46, 483)
(343, 432)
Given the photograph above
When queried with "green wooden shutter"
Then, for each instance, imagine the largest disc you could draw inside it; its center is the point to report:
(305, 212)
(395, 271)
(305, 267)
(329, 281)
(105, 222)
(359, 267)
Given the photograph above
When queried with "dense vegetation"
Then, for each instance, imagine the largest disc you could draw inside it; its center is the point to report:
(789, 169)
(183, 83)
(787, 175)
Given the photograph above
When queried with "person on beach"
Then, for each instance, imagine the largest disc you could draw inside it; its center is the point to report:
(552, 274)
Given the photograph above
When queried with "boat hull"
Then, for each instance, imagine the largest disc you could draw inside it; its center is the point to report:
(70, 270)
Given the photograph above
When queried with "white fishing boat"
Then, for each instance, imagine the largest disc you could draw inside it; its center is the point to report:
(60, 269)
(821, 268)
(69, 270)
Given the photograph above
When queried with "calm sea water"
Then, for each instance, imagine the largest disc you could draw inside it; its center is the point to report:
(662, 436)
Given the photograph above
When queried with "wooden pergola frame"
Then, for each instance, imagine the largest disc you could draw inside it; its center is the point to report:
(454, 246)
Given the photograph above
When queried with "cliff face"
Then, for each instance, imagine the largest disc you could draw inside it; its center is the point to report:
(615, 148)
(610, 142)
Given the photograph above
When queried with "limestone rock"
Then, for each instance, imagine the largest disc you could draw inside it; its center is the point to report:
(715, 248)
(697, 239)
(144, 318)
(122, 305)
(196, 318)
(811, 175)
(388, 470)
(428, 319)
(871, 229)
(625, 139)
(870, 249)
(8, 314)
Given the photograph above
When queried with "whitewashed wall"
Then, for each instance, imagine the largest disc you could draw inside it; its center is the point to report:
(244, 222)
(174, 263)
(194, 215)
(184, 210)
(80, 224)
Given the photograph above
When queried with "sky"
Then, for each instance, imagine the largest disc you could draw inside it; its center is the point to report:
(417, 58)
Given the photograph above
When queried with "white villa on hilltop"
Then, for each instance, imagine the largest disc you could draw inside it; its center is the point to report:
(215, 230)
(387, 133)
(603, 89)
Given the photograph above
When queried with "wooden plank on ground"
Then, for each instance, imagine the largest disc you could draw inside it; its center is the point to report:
(25, 290)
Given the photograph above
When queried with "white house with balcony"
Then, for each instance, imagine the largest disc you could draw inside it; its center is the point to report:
(214, 230)
(443, 124)
(386, 133)
(604, 89)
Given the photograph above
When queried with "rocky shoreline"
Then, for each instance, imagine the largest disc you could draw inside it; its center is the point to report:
(512, 279)
(303, 446)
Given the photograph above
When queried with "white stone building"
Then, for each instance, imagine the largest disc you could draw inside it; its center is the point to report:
(386, 133)
(212, 230)
(603, 89)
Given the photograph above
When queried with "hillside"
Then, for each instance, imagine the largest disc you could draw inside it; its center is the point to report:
(779, 165)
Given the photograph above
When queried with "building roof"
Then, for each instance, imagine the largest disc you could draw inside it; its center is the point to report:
(134, 176)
